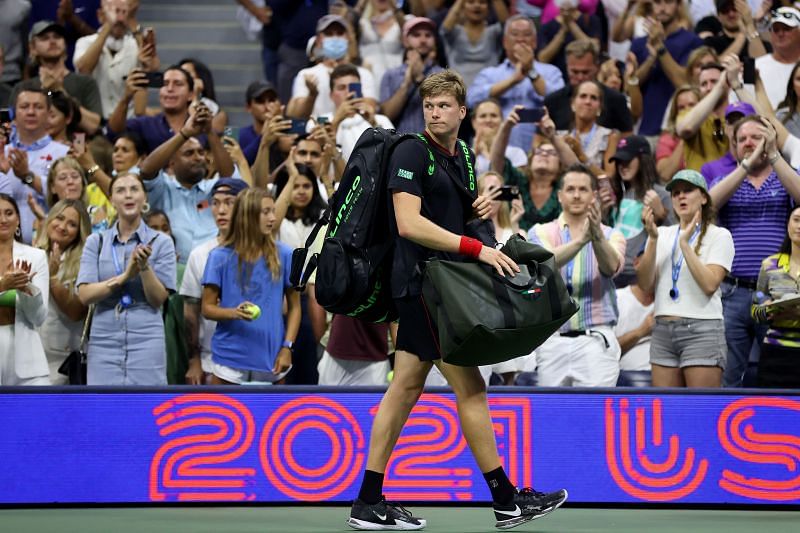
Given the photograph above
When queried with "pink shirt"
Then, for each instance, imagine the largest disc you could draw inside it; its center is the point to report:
(550, 9)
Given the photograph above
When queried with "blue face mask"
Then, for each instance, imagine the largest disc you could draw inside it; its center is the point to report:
(334, 47)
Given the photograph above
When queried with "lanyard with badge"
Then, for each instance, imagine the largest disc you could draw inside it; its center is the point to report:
(565, 238)
(126, 300)
(677, 264)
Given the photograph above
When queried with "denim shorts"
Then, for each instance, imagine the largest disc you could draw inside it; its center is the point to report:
(688, 342)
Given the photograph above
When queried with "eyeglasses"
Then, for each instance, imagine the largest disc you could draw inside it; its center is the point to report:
(545, 152)
(719, 133)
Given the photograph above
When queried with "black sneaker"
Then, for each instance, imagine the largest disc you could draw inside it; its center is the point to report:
(383, 516)
(527, 505)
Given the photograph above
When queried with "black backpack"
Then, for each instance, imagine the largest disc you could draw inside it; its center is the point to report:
(354, 264)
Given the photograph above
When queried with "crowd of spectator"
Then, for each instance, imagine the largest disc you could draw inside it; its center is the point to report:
(652, 145)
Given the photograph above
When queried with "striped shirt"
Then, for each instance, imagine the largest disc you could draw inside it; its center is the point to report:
(593, 291)
(775, 281)
(756, 219)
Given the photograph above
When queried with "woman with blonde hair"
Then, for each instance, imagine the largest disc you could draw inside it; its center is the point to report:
(64, 232)
(66, 180)
(244, 285)
(669, 149)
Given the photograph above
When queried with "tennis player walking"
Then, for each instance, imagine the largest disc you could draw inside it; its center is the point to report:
(430, 215)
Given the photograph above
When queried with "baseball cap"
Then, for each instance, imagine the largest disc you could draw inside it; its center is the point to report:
(689, 176)
(46, 25)
(787, 16)
(739, 107)
(413, 22)
(630, 147)
(327, 20)
(230, 186)
(257, 89)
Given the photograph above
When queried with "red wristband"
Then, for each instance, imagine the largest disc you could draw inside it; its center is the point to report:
(470, 247)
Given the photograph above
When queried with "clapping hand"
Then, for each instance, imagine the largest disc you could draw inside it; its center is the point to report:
(595, 221)
(649, 219)
(689, 231)
(18, 276)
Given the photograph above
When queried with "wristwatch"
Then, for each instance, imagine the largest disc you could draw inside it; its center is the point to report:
(27, 179)
(533, 75)
(91, 170)
(661, 51)
(288, 344)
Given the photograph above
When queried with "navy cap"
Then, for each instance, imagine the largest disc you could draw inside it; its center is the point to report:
(230, 186)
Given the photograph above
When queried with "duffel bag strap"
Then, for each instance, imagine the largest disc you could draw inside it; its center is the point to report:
(504, 301)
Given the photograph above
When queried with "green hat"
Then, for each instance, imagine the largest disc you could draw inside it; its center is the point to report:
(689, 176)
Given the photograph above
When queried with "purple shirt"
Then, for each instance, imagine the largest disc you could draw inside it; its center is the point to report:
(719, 168)
(756, 219)
(658, 89)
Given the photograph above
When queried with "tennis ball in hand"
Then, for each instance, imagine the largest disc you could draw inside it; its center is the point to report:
(254, 310)
(390, 376)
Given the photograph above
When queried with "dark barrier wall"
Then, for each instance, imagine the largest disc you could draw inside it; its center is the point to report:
(302, 445)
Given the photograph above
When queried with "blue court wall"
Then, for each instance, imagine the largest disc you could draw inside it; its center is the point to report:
(282, 445)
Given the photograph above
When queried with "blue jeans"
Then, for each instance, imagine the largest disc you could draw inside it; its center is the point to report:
(742, 333)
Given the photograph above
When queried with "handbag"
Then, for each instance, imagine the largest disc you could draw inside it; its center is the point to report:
(484, 318)
(74, 366)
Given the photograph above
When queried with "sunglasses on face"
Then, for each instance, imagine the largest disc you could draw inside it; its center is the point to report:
(719, 132)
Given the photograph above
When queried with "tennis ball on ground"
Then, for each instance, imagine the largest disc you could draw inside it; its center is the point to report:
(254, 310)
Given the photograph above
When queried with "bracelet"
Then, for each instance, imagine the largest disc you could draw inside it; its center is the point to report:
(753, 35)
(185, 137)
(773, 158)
(633, 81)
(470, 247)
(90, 171)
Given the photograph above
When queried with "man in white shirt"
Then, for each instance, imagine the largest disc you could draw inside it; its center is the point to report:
(775, 68)
(353, 115)
(311, 87)
(110, 54)
(199, 330)
(28, 153)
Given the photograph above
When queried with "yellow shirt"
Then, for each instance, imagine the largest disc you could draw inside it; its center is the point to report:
(97, 199)
(708, 144)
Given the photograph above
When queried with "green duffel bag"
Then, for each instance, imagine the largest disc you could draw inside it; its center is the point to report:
(484, 318)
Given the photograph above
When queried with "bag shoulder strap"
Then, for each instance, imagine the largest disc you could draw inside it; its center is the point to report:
(88, 320)
(470, 187)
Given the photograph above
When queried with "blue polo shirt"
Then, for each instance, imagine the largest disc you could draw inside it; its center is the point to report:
(189, 211)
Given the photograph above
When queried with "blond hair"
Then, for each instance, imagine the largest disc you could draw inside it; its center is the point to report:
(245, 236)
(447, 82)
(69, 162)
(71, 262)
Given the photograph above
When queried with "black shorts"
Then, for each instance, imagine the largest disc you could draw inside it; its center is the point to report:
(416, 332)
